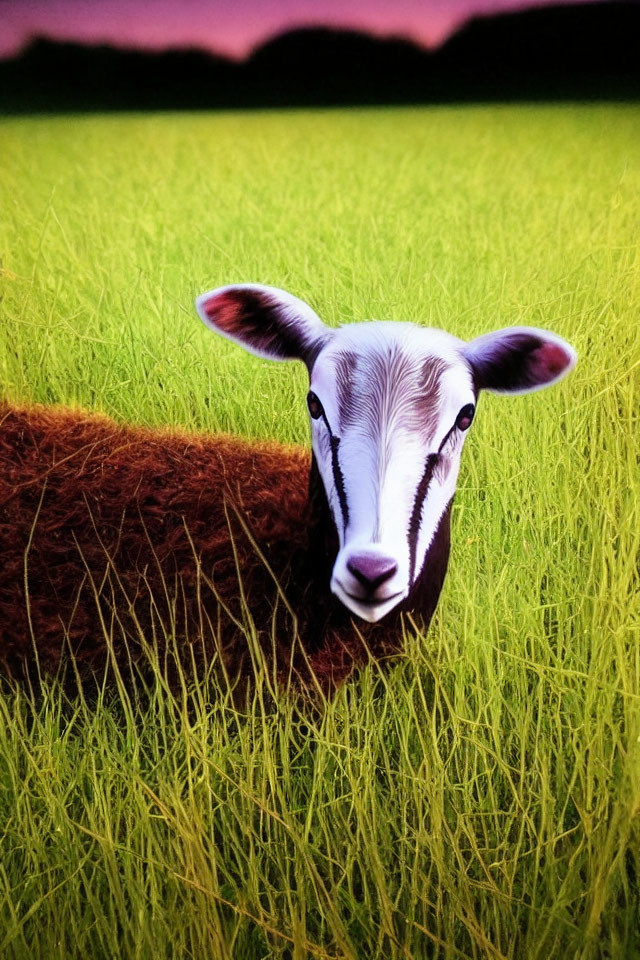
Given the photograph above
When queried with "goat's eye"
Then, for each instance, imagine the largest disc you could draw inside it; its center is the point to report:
(315, 407)
(464, 418)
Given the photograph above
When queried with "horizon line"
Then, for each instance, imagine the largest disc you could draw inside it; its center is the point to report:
(239, 47)
(193, 47)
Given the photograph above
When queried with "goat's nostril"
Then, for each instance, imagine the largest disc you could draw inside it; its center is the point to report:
(371, 571)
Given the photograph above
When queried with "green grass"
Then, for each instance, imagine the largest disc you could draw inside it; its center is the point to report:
(480, 798)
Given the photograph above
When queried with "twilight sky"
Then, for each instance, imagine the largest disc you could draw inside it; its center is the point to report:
(230, 27)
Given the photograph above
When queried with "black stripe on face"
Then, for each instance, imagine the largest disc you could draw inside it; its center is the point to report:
(416, 514)
(338, 477)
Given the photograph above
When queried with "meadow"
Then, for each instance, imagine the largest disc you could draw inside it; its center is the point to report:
(479, 797)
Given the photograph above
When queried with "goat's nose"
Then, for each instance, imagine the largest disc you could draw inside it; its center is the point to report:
(371, 570)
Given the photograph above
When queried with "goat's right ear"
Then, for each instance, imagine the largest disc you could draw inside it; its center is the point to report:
(264, 320)
(519, 359)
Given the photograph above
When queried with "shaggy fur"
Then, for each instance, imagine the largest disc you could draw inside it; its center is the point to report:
(139, 534)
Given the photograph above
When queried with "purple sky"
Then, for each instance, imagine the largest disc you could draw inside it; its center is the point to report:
(231, 27)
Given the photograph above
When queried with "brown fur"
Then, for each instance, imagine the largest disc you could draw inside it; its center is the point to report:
(108, 530)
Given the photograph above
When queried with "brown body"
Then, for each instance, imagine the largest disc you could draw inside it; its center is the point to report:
(134, 535)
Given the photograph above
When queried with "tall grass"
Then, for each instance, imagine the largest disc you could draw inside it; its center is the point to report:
(480, 796)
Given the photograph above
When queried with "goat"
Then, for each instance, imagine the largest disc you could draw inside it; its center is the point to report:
(135, 534)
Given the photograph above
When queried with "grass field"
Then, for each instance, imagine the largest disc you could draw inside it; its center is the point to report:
(481, 797)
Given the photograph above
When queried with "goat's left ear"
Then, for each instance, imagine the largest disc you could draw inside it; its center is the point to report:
(519, 359)
(264, 320)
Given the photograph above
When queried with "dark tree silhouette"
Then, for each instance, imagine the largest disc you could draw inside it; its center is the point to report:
(583, 51)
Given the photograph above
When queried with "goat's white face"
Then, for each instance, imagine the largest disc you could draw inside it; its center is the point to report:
(390, 395)
(390, 404)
